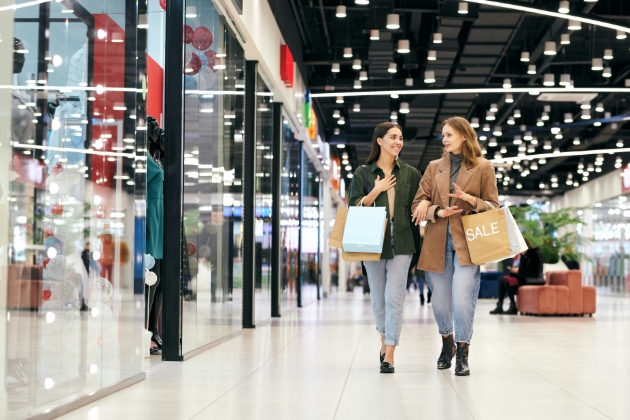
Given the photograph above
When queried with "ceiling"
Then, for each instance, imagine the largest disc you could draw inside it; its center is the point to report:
(479, 50)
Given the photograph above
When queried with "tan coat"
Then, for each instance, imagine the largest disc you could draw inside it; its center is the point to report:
(479, 181)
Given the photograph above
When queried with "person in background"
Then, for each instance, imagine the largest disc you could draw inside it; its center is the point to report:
(420, 276)
(529, 265)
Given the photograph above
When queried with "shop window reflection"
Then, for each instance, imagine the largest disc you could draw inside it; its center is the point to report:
(68, 177)
(311, 206)
(212, 209)
(264, 159)
(290, 218)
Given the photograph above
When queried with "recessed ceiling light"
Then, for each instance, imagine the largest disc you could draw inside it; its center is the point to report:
(335, 68)
(363, 76)
(597, 64)
(429, 76)
(507, 84)
(341, 11)
(494, 108)
(574, 25)
(525, 56)
(565, 39)
(432, 55)
(356, 64)
(608, 54)
(621, 35)
(509, 98)
(347, 52)
(393, 68)
(462, 8)
(375, 35)
(437, 38)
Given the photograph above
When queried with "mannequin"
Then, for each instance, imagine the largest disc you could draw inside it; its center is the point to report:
(155, 226)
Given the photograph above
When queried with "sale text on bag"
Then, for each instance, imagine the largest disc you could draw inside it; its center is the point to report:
(481, 231)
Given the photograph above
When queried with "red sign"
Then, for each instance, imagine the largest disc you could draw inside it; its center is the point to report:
(625, 179)
(286, 65)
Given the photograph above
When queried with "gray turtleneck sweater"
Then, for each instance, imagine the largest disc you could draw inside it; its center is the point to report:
(456, 163)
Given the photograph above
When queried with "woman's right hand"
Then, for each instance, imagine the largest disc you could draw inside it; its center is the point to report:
(384, 184)
(421, 212)
(449, 211)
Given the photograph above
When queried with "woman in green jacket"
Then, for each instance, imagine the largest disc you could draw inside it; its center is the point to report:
(391, 184)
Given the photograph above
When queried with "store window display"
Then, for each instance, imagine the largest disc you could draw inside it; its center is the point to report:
(72, 324)
(213, 77)
(290, 221)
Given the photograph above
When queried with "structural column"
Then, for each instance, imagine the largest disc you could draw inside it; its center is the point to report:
(301, 162)
(173, 182)
(324, 234)
(249, 195)
(276, 209)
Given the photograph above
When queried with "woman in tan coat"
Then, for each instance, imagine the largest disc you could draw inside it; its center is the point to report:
(460, 183)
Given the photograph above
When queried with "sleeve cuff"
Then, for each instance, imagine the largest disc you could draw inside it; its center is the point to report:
(431, 214)
(481, 206)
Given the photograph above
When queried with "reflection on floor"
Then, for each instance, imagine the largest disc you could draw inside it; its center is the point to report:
(320, 363)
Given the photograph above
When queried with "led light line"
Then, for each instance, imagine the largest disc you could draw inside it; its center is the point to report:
(561, 154)
(524, 7)
(72, 150)
(22, 5)
(472, 91)
(582, 123)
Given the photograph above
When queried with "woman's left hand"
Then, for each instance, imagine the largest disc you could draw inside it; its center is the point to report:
(460, 194)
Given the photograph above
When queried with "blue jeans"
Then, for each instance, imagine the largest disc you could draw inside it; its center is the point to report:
(455, 294)
(388, 287)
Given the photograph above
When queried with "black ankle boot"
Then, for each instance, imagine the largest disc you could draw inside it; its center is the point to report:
(512, 310)
(498, 310)
(461, 362)
(421, 299)
(448, 352)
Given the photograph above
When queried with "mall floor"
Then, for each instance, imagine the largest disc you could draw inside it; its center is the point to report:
(321, 363)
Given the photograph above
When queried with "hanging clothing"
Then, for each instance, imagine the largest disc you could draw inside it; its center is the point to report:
(155, 209)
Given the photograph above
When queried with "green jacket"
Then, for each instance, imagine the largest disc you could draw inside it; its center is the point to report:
(406, 233)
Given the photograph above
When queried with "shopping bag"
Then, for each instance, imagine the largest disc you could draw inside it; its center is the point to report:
(365, 230)
(517, 242)
(336, 235)
(487, 236)
(359, 256)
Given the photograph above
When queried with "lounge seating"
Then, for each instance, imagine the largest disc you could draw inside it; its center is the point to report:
(24, 287)
(563, 294)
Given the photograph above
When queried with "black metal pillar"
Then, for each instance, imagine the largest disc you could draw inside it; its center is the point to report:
(276, 210)
(173, 182)
(301, 219)
(249, 194)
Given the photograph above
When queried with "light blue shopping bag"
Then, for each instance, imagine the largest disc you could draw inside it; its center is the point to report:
(365, 229)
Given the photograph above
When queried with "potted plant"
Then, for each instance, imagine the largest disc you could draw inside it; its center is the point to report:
(554, 233)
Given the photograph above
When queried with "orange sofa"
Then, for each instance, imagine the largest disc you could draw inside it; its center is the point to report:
(563, 294)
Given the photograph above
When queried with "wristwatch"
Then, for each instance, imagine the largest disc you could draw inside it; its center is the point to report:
(435, 214)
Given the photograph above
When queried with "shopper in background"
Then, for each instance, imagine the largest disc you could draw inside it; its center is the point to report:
(420, 276)
(460, 183)
(392, 184)
(528, 266)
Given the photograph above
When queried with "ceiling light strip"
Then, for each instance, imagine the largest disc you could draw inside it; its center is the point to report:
(471, 91)
(74, 150)
(528, 9)
(561, 154)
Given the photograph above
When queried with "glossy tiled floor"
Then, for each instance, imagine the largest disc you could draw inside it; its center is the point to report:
(321, 363)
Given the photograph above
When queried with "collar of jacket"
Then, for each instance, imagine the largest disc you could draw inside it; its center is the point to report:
(373, 167)
(443, 179)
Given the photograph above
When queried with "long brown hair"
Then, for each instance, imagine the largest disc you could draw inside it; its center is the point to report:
(379, 132)
(471, 150)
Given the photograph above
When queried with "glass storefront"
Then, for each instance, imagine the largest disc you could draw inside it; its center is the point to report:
(264, 161)
(290, 218)
(72, 121)
(606, 225)
(311, 243)
(213, 135)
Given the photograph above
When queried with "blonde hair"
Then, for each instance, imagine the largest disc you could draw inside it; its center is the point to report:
(471, 150)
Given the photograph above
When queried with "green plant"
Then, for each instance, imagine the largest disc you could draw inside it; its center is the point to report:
(554, 233)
